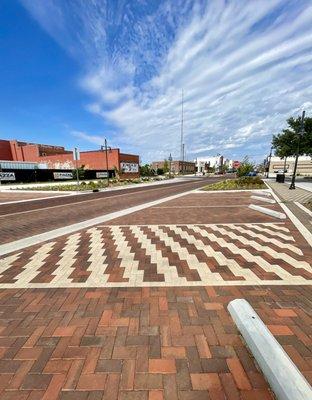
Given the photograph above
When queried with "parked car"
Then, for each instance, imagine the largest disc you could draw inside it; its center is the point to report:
(252, 173)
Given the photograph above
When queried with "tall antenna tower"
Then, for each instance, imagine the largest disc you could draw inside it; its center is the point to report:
(182, 121)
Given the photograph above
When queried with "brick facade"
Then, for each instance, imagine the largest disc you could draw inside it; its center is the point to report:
(177, 167)
(56, 157)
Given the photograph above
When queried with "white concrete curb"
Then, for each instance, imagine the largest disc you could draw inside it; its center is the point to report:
(303, 208)
(202, 191)
(267, 193)
(267, 211)
(301, 228)
(285, 379)
(265, 199)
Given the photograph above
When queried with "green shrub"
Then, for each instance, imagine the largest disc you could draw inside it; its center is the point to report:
(248, 182)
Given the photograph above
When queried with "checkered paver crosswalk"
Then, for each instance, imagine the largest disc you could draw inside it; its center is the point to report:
(162, 255)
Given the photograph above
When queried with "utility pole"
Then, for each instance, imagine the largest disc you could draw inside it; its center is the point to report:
(106, 156)
(182, 127)
(76, 158)
(170, 161)
(293, 179)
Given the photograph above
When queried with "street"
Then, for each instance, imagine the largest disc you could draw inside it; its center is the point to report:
(135, 307)
(19, 220)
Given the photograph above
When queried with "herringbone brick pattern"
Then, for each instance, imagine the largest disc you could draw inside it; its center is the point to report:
(282, 190)
(143, 343)
(169, 255)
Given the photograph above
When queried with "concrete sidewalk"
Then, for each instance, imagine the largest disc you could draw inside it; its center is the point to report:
(290, 198)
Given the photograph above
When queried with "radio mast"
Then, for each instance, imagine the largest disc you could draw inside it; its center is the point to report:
(182, 121)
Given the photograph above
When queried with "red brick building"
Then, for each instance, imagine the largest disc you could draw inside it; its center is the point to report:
(177, 167)
(56, 157)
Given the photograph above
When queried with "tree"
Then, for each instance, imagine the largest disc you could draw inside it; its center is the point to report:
(166, 166)
(160, 171)
(285, 143)
(224, 168)
(81, 172)
(145, 170)
(245, 167)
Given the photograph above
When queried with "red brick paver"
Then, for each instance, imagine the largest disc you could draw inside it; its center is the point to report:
(191, 349)
(153, 343)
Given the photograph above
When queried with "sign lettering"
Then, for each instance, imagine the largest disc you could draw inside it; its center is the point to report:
(129, 167)
(7, 176)
(62, 175)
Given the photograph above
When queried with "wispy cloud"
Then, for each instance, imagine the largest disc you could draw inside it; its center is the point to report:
(245, 66)
(89, 138)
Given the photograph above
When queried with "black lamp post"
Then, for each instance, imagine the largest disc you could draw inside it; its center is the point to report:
(270, 156)
(293, 179)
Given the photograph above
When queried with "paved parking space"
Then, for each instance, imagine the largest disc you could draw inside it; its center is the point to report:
(138, 252)
(206, 208)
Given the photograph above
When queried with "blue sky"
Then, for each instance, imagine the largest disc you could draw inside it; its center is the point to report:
(75, 71)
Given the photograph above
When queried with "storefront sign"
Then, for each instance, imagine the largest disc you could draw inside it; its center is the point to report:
(63, 175)
(101, 174)
(129, 167)
(7, 176)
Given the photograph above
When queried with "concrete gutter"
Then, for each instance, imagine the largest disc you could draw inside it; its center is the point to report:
(283, 376)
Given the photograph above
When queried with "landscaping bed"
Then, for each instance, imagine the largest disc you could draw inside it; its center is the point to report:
(243, 183)
(91, 185)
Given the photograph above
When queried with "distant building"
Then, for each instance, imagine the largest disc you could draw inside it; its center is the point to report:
(203, 164)
(177, 167)
(56, 157)
(277, 164)
(232, 164)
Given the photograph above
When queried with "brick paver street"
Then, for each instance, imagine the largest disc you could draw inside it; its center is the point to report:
(136, 308)
(8, 197)
(25, 219)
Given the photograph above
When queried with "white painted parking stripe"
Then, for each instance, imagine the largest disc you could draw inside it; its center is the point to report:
(42, 237)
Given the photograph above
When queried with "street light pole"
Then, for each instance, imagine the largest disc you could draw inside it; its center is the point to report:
(293, 179)
(270, 156)
(106, 156)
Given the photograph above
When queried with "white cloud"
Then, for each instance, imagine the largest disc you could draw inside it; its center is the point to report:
(99, 140)
(245, 67)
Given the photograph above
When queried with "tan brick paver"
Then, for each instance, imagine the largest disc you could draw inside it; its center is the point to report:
(140, 342)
